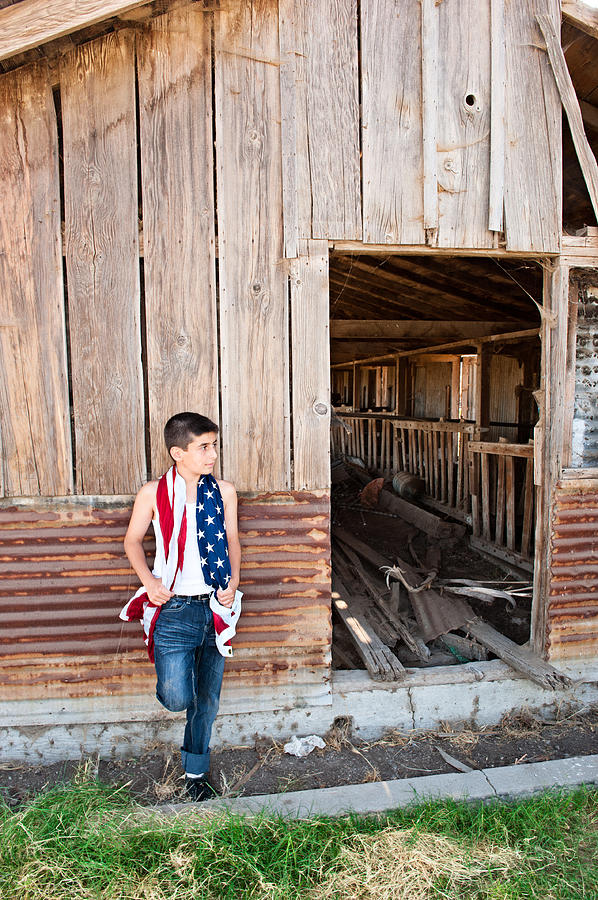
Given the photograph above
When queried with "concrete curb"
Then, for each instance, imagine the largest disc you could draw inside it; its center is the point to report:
(506, 783)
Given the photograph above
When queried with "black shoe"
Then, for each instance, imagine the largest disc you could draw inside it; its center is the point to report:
(198, 789)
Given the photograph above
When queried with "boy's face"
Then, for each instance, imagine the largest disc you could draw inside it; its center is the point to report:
(200, 455)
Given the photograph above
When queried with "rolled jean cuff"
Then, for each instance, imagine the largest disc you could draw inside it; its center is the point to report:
(195, 763)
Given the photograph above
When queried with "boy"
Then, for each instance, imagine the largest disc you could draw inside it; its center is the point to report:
(189, 604)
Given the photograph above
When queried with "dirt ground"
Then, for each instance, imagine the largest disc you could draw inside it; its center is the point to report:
(156, 775)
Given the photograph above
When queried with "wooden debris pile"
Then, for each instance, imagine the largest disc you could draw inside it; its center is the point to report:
(401, 614)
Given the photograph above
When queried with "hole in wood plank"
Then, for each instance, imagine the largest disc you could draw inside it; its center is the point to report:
(470, 100)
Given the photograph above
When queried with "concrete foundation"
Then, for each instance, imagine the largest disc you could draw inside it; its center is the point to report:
(475, 694)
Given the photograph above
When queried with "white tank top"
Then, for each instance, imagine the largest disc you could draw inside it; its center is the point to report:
(190, 580)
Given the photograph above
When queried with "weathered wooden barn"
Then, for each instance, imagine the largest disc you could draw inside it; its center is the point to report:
(235, 206)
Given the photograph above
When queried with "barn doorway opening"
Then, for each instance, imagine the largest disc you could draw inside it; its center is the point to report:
(435, 369)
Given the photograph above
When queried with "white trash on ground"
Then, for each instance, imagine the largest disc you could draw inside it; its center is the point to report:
(303, 746)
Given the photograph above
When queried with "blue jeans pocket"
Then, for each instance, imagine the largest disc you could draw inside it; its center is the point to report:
(173, 605)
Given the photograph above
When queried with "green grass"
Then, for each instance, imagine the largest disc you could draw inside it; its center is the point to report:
(84, 841)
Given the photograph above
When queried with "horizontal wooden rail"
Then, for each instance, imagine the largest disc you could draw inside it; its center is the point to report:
(500, 449)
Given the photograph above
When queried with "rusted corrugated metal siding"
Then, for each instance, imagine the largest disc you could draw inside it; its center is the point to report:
(573, 600)
(65, 577)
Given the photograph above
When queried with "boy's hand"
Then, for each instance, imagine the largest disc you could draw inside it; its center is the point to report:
(157, 593)
(226, 596)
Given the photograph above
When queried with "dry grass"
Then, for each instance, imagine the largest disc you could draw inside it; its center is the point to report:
(405, 864)
(339, 735)
(170, 785)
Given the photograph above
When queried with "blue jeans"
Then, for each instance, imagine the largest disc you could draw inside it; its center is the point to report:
(189, 669)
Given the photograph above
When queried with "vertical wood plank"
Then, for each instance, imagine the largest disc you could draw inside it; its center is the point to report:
(499, 536)
(533, 132)
(450, 467)
(434, 437)
(466, 471)
(311, 367)
(34, 407)
(428, 462)
(391, 122)
(510, 500)
(474, 479)
(253, 283)
(460, 467)
(102, 256)
(498, 77)
(328, 165)
(430, 38)
(485, 478)
(175, 111)
(463, 157)
(288, 109)
(371, 431)
(444, 437)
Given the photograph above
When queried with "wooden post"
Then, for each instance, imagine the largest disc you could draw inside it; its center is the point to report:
(482, 387)
(311, 366)
(548, 444)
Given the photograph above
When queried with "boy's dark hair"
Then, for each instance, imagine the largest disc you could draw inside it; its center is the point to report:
(180, 430)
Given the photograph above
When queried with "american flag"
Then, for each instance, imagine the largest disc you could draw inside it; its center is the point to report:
(171, 532)
(211, 533)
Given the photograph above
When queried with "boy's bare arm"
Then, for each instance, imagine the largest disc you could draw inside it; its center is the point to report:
(141, 517)
(229, 497)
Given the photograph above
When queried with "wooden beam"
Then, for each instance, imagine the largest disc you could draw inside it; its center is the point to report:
(586, 157)
(462, 345)
(581, 16)
(501, 449)
(519, 658)
(422, 250)
(509, 337)
(380, 662)
(391, 329)
(30, 23)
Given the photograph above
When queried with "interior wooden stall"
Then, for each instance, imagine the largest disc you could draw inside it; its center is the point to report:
(448, 399)
(194, 198)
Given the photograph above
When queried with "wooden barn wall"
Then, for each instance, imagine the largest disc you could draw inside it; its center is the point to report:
(65, 579)
(140, 328)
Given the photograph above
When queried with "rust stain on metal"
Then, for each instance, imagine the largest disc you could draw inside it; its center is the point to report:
(65, 578)
(572, 619)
